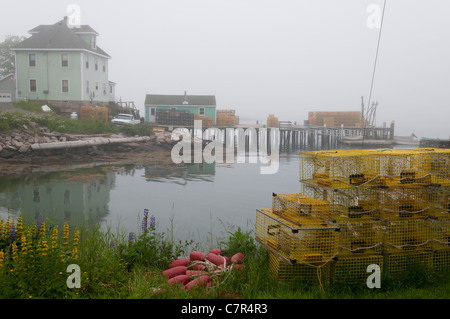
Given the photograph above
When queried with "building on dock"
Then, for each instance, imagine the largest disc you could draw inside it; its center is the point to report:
(335, 118)
(180, 109)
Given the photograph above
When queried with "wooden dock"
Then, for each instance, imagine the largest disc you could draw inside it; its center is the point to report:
(301, 136)
(436, 143)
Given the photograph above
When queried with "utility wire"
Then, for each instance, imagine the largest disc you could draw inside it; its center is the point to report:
(374, 68)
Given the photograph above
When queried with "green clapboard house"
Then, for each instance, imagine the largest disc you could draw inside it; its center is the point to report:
(62, 65)
(203, 105)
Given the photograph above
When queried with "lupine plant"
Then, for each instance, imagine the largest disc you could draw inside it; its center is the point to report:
(33, 257)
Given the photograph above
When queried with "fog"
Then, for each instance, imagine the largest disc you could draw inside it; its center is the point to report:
(260, 57)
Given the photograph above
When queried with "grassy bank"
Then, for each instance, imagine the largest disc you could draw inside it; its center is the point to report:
(15, 120)
(34, 260)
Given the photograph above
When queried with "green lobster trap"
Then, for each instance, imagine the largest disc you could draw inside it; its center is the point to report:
(300, 239)
(404, 262)
(354, 269)
(441, 260)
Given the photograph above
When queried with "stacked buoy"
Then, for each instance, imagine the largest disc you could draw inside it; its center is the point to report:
(200, 269)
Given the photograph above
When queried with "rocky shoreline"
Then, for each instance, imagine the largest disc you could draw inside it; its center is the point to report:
(27, 146)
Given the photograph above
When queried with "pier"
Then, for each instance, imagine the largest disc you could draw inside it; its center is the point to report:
(291, 136)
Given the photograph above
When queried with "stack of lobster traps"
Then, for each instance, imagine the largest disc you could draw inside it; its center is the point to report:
(358, 208)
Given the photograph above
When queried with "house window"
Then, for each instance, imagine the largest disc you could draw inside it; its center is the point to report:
(64, 60)
(110, 89)
(104, 66)
(86, 61)
(33, 86)
(96, 64)
(104, 88)
(96, 86)
(94, 42)
(152, 111)
(65, 86)
(202, 111)
(87, 87)
(173, 108)
(32, 59)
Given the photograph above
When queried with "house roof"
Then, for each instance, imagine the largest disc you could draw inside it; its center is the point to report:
(58, 36)
(9, 76)
(157, 99)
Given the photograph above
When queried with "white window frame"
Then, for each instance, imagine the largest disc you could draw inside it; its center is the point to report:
(104, 65)
(35, 59)
(86, 61)
(95, 63)
(201, 111)
(62, 86)
(64, 54)
(36, 85)
(87, 89)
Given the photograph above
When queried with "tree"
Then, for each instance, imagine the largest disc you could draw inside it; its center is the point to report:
(7, 56)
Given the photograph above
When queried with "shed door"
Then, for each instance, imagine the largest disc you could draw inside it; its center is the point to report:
(152, 115)
(5, 97)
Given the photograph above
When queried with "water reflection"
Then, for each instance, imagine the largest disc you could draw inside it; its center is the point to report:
(82, 196)
(181, 173)
(77, 197)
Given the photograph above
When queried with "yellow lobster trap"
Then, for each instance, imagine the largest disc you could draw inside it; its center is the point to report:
(347, 202)
(408, 201)
(440, 232)
(407, 235)
(298, 239)
(438, 164)
(342, 168)
(289, 272)
(360, 236)
(301, 205)
(361, 168)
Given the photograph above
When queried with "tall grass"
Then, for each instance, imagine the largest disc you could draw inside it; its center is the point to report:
(15, 120)
(34, 260)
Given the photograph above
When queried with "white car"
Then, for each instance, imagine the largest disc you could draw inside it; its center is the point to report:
(122, 119)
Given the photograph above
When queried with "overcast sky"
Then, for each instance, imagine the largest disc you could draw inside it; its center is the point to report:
(281, 57)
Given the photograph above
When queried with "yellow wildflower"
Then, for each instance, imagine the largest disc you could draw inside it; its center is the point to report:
(19, 228)
(55, 238)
